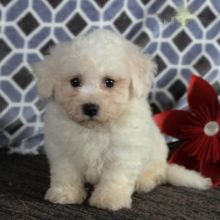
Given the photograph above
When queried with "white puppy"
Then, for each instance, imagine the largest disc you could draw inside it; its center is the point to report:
(98, 125)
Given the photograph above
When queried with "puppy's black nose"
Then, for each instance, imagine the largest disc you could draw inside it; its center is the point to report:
(90, 109)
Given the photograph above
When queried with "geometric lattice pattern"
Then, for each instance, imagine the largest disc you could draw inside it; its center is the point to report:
(28, 28)
(182, 50)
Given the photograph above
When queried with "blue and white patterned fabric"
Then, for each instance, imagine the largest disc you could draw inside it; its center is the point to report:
(28, 28)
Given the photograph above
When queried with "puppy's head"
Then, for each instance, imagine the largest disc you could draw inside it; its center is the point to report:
(95, 77)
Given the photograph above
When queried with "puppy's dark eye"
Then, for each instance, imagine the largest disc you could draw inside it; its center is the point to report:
(75, 82)
(109, 82)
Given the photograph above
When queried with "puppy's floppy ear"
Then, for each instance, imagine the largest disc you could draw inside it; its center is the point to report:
(142, 70)
(45, 80)
(47, 70)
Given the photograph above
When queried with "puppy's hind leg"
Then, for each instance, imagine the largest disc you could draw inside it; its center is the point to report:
(150, 177)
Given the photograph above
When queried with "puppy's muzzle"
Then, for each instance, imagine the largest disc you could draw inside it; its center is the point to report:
(90, 109)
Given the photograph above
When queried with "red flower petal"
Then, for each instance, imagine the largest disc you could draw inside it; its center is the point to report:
(213, 145)
(181, 157)
(171, 122)
(197, 148)
(212, 170)
(200, 93)
(190, 132)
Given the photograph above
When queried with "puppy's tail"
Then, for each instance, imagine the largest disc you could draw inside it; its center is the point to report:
(180, 176)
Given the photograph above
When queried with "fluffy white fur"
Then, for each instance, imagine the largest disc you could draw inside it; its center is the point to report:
(121, 150)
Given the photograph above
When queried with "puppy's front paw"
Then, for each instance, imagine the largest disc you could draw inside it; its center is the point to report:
(105, 198)
(65, 195)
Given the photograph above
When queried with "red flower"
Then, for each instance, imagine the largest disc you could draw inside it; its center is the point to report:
(198, 128)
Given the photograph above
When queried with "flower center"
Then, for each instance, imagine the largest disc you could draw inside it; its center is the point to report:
(211, 128)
